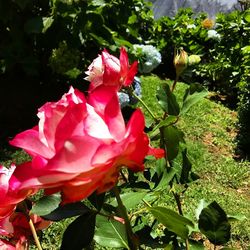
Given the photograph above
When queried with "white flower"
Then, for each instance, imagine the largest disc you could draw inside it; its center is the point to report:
(191, 26)
(149, 57)
(213, 34)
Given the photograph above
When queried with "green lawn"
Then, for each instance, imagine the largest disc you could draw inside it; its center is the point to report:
(210, 129)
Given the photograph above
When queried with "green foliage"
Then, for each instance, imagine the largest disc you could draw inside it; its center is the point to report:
(80, 232)
(221, 178)
(209, 134)
(58, 33)
(64, 211)
(64, 60)
(220, 67)
(46, 44)
(213, 222)
(167, 100)
(46, 204)
(244, 105)
(172, 220)
(224, 52)
(110, 233)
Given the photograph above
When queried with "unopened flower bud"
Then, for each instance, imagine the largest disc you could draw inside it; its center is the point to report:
(180, 61)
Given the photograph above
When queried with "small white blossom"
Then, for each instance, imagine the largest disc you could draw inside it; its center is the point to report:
(191, 26)
(149, 57)
(213, 34)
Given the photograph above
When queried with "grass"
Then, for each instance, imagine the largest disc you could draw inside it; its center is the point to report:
(209, 133)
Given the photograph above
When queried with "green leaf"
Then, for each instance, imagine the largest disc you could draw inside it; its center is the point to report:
(46, 204)
(161, 166)
(166, 122)
(98, 3)
(99, 39)
(194, 245)
(110, 233)
(172, 136)
(246, 49)
(79, 234)
(213, 223)
(172, 220)
(237, 217)
(192, 95)
(47, 22)
(167, 100)
(166, 178)
(130, 200)
(169, 247)
(247, 16)
(67, 211)
(186, 168)
(200, 207)
(122, 42)
(73, 73)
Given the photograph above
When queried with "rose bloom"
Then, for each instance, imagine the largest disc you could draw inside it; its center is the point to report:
(80, 145)
(110, 71)
(10, 194)
(16, 230)
(5, 245)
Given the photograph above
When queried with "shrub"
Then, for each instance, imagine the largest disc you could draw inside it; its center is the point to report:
(244, 105)
(45, 45)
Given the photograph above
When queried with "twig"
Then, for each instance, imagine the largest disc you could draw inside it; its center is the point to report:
(33, 230)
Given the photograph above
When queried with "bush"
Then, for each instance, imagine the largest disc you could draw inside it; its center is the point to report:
(223, 45)
(221, 67)
(244, 105)
(45, 45)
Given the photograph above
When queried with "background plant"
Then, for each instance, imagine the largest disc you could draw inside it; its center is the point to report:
(49, 43)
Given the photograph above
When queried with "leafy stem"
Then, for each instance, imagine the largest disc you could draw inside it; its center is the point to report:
(123, 212)
(175, 82)
(178, 202)
(143, 104)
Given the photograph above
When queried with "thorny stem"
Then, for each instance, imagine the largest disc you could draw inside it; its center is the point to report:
(33, 230)
(123, 211)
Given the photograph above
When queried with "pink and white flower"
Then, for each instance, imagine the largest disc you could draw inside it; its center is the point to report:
(10, 194)
(80, 145)
(108, 70)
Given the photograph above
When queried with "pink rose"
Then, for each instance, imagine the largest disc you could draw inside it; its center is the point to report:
(10, 194)
(16, 229)
(80, 145)
(110, 71)
(5, 245)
